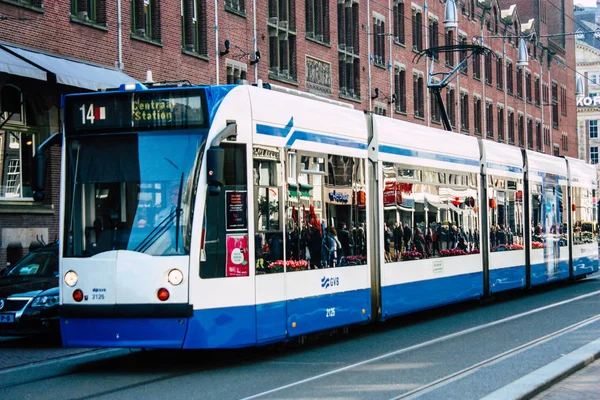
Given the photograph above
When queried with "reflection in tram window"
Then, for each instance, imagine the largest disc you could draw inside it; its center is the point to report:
(268, 239)
(506, 214)
(428, 213)
(585, 229)
(326, 212)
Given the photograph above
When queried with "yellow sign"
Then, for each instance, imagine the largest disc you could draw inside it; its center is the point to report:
(153, 110)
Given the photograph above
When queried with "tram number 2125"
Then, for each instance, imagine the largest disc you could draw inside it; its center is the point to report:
(330, 312)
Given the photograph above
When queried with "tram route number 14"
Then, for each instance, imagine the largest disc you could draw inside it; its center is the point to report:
(92, 113)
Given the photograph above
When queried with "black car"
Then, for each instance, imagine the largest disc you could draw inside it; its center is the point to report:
(29, 294)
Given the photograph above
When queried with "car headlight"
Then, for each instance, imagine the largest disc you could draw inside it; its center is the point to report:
(71, 278)
(45, 301)
(175, 277)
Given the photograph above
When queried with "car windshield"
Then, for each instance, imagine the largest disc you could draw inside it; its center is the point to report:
(132, 191)
(36, 264)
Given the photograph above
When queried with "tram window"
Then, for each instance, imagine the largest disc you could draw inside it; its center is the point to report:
(326, 213)
(409, 174)
(433, 219)
(267, 175)
(226, 219)
(505, 215)
(585, 227)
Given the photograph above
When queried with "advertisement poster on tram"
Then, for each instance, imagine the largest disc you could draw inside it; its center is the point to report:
(237, 255)
(237, 206)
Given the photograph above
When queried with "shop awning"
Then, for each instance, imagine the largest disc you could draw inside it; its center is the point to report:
(32, 64)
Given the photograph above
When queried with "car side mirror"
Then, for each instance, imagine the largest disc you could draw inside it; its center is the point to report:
(215, 160)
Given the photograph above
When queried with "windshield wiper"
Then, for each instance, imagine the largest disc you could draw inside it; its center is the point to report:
(162, 227)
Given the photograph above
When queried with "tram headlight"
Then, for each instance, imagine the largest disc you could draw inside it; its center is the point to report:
(175, 277)
(71, 278)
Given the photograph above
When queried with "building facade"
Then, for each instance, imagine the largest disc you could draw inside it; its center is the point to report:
(357, 51)
(587, 19)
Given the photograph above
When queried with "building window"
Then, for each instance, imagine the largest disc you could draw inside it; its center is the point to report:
(282, 39)
(399, 22)
(348, 49)
(145, 19)
(236, 71)
(554, 105)
(556, 150)
(495, 21)
(11, 106)
(462, 55)
(476, 66)
(400, 89)
(236, 5)
(433, 36)
(477, 115)
(528, 93)
(449, 54)
(509, 78)
(499, 73)
(380, 109)
(89, 10)
(419, 95)
(563, 100)
(547, 136)
(488, 68)
(16, 164)
(537, 91)
(511, 127)
(500, 124)
(317, 20)
(545, 93)
(194, 26)
(565, 141)
(594, 129)
(379, 41)
(519, 82)
(538, 136)
(464, 111)
(451, 106)
(471, 9)
(521, 130)
(417, 29)
(435, 108)
(594, 154)
(489, 120)
(529, 133)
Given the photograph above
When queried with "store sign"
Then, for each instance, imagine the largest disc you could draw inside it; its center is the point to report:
(339, 196)
(265, 154)
(588, 101)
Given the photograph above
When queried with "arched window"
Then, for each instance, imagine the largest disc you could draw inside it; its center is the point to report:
(11, 105)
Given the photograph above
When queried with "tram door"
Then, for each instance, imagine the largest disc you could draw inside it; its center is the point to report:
(269, 242)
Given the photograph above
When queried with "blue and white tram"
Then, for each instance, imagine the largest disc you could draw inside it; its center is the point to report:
(232, 216)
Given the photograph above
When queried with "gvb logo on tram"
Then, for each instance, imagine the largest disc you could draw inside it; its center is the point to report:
(332, 281)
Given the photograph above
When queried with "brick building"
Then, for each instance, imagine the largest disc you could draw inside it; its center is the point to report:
(357, 51)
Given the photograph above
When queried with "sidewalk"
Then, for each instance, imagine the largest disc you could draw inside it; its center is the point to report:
(582, 385)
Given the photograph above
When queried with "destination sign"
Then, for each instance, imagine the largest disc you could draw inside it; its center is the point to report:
(135, 111)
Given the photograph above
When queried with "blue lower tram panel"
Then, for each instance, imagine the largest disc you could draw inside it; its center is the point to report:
(585, 265)
(229, 327)
(421, 295)
(507, 278)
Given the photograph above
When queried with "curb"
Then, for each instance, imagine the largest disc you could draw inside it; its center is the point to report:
(543, 378)
(51, 368)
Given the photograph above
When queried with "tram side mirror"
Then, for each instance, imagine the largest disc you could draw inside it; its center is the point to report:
(40, 161)
(215, 162)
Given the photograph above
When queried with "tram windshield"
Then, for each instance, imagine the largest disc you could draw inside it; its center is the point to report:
(131, 191)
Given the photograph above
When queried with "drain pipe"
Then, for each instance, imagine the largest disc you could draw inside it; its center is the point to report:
(254, 39)
(119, 37)
(217, 40)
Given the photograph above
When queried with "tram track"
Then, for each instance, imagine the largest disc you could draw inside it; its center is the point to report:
(172, 366)
(467, 371)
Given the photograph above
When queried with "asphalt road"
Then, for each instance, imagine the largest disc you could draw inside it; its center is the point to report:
(460, 352)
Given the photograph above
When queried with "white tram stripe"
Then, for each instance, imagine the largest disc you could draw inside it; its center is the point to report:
(421, 345)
